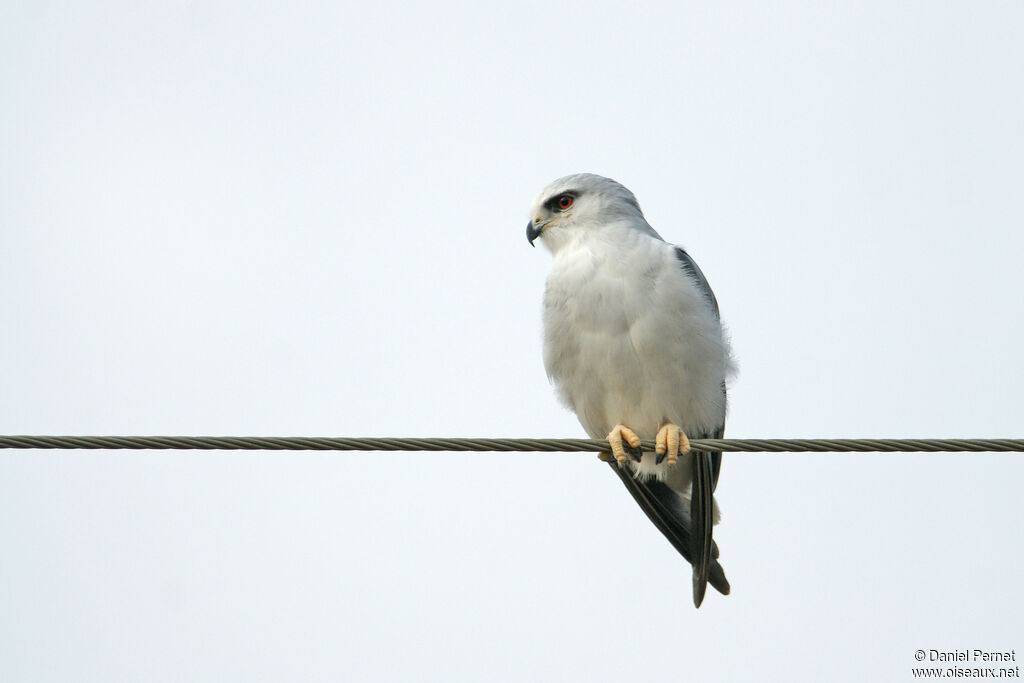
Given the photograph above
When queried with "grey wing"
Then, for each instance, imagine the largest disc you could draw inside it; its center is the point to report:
(691, 268)
(715, 456)
(707, 466)
(702, 512)
(690, 531)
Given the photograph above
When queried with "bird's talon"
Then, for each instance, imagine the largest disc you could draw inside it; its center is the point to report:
(670, 443)
(620, 449)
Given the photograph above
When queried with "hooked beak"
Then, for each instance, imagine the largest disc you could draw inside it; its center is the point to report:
(534, 231)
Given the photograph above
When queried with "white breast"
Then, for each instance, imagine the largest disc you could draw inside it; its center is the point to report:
(629, 338)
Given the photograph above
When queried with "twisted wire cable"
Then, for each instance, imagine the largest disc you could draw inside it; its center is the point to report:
(272, 443)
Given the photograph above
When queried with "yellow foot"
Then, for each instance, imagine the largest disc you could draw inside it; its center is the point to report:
(615, 437)
(670, 444)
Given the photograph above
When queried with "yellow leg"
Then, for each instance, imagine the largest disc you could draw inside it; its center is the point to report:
(670, 443)
(615, 437)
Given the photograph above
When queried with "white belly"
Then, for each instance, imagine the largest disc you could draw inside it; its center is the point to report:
(631, 345)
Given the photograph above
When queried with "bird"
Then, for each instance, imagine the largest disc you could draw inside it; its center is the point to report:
(634, 345)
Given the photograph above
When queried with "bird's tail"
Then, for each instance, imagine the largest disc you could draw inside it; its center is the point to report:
(689, 533)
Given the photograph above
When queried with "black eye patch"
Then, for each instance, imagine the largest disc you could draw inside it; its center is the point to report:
(561, 202)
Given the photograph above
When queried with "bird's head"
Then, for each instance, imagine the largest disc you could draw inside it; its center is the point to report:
(576, 204)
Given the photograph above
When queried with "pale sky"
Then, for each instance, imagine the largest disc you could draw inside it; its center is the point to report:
(239, 219)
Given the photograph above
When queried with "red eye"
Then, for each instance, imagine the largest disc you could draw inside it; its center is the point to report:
(565, 201)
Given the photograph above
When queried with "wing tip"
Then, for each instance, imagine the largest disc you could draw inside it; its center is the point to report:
(700, 589)
(715, 577)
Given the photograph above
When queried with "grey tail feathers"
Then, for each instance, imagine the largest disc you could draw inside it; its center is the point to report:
(690, 537)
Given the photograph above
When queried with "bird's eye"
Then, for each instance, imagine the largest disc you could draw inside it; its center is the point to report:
(565, 201)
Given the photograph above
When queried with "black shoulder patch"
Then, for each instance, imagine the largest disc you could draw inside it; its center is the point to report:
(691, 269)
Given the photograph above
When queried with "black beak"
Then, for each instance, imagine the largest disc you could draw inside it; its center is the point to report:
(532, 233)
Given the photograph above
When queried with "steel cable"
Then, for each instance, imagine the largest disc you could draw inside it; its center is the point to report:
(272, 443)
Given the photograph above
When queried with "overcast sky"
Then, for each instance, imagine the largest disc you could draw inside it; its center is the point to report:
(248, 219)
